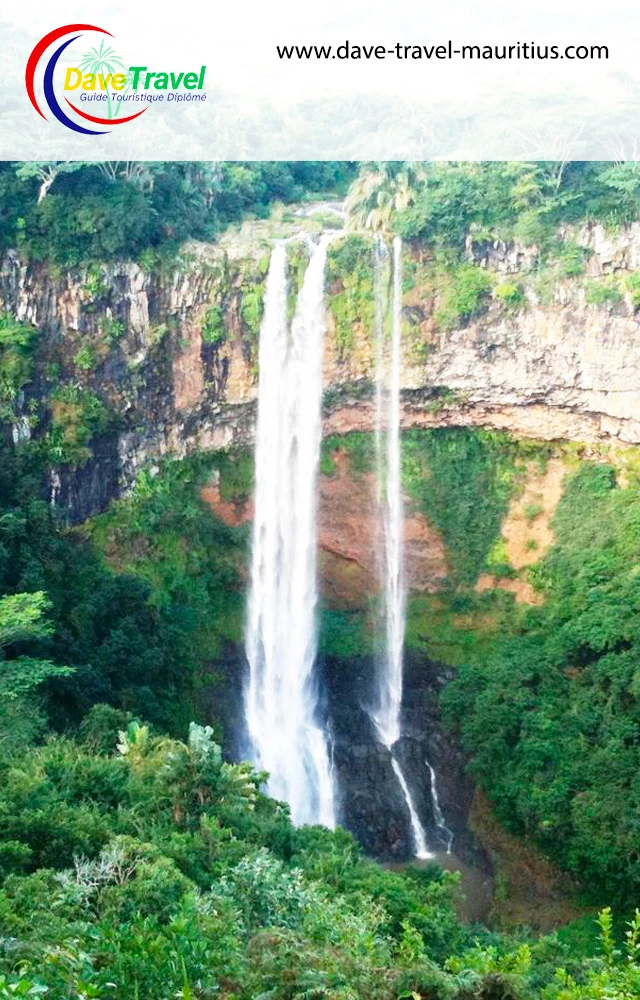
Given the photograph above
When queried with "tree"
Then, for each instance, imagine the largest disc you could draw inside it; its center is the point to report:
(382, 190)
(193, 773)
(22, 619)
(131, 171)
(47, 171)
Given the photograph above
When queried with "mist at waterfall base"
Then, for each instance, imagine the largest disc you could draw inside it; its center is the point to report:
(285, 716)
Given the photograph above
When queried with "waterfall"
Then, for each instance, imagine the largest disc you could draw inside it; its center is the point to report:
(391, 514)
(386, 712)
(281, 696)
(438, 815)
(419, 837)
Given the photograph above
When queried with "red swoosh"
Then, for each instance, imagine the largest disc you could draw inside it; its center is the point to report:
(104, 121)
(43, 44)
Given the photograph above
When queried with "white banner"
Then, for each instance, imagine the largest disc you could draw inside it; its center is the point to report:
(289, 80)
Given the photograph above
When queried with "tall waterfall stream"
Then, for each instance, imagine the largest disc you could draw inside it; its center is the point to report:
(390, 515)
(282, 700)
(281, 640)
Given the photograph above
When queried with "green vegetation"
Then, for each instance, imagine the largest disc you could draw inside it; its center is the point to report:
(85, 359)
(238, 291)
(17, 341)
(462, 289)
(131, 861)
(146, 861)
(137, 629)
(463, 481)
(23, 621)
(111, 330)
(98, 212)
(632, 285)
(522, 201)
(603, 292)
(213, 329)
(453, 212)
(568, 258)
(134, 860)
(350, 284)
(546, 696)
(359, 448)
(382, 190)
(235, 471)
(165, 535)
(510, 294)
(77, 416)
(251, 308)
(550, 710)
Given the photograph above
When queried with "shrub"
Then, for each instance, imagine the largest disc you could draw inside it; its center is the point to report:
(213, 329)
(461, 295)
(510, 294)
(632, 284)
(603, 292)
(569, 258)
(77, 416)
(85, 359)
(350, 282)
(531, 228)
(17, 341)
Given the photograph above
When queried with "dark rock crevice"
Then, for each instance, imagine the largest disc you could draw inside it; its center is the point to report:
(369, 800)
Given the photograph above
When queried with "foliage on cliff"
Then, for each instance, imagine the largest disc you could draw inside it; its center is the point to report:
(105, 211)
(350, 289)
(547, 696)
(463, 481)
(440, 203)
(17, 342)
(550, 710)
(147, 862)
(136, 635)
(165, 534)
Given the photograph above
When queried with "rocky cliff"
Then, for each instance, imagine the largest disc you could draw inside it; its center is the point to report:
(173, 351)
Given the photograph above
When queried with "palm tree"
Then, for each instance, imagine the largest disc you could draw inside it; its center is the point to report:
(192, 776)
(103, 59)
(381, 190)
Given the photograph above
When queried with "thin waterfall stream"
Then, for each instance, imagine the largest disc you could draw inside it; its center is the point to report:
(387, 710)
(281, 697)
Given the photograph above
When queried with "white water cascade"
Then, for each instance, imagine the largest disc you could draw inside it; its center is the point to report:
(390, 504)
(438, 815)
(386, 713)
(281, 696)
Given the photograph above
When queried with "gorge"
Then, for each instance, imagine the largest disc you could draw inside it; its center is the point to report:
(176, 366)
(320, 580)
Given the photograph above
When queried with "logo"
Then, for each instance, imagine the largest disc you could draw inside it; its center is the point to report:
(102, 77)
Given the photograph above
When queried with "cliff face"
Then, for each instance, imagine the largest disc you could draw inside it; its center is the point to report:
(174, 354)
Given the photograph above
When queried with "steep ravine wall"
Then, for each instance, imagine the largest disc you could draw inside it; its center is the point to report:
(175, 383)
(567, 370)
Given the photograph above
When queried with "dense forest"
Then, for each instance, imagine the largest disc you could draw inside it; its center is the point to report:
(68, 213)
(134, 860)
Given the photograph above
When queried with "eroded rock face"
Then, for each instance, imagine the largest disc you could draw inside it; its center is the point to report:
(347, 538)
(567, 370)
(370, 802)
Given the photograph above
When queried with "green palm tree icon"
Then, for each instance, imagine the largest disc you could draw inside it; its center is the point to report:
(103, 59)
